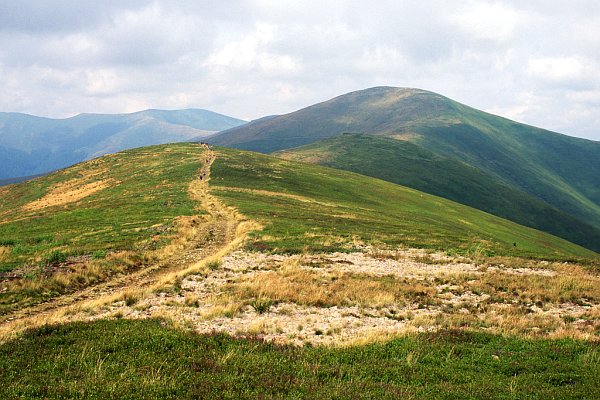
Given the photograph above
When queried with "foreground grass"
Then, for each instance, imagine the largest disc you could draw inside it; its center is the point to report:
(307, 207)
(145, 359)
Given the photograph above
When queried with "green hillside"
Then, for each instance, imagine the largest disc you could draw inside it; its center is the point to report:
(102, 297)
(323, 209)
(100, 218)
(411, 165)
(106, 216)
(562, 171)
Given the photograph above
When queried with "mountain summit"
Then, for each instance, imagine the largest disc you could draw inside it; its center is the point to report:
(535, 168)
(385, 111)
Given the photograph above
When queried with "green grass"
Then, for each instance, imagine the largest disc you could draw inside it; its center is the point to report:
(411, 165)
(562, 171)
(115, 227)
(152, 191)
(342, 206)
(147, 360)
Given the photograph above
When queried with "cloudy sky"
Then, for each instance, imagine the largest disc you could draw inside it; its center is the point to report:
(535, 61)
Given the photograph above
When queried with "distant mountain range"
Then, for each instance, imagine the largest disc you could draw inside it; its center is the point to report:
(31, 145)
(421, 139)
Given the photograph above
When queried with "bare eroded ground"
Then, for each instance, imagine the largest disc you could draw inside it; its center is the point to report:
(343, 298)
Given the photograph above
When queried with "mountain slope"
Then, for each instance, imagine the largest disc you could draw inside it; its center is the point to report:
(32, 145)
(411, 165)
(116, 202)
(118, 213)
(152, 256)
(562, 171)
(307, 206)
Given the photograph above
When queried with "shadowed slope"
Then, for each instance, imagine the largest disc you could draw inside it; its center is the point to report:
(411, 165)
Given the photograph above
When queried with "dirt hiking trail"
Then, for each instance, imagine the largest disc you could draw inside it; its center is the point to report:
(225, 227)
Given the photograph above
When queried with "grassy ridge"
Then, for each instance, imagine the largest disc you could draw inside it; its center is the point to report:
(323, 209)
(46, 250)
(146, 187)
(145, 359)
(560, 170)
(411, 165)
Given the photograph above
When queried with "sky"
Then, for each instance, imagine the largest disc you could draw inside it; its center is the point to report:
(534, 61)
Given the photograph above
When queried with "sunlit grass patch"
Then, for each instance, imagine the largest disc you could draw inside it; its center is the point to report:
(306, 208)
(66, 230)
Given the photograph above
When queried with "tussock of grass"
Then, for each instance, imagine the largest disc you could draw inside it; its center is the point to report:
(192, 300)
(130, 298)
(4, 251)
(214, 264)
(311, 288)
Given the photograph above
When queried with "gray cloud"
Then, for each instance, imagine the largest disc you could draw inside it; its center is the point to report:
(537, 61)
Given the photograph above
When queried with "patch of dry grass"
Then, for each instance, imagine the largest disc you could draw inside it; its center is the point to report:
(191, 300)
(130, 297)
(78, 275)
(538, 288)
(311, 288)
(69, 192)
(221, 306)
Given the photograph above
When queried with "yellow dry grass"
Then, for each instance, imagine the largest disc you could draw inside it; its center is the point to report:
(539, 288)
(227, 309)
(69, 192)
(509, 321)
(312, 288)
(4, 252)
(313, 157)
(78, 275)
(376, 336)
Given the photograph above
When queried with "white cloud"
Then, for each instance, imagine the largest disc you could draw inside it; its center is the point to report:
(558, 69)
(535, 61)
(489, 21)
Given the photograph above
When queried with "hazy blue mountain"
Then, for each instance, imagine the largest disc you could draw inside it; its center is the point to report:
(32, 145)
